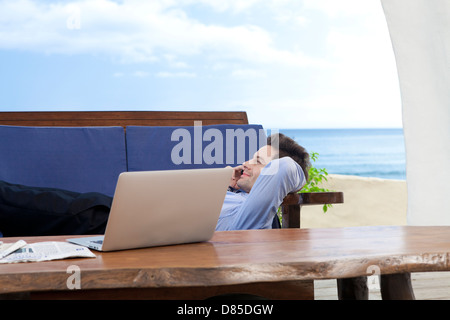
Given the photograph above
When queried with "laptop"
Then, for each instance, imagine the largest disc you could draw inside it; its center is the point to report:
(157, 208)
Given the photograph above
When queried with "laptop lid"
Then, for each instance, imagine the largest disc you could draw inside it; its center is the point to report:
(154, 208)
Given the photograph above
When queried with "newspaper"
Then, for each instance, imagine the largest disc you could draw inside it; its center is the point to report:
(20, 251)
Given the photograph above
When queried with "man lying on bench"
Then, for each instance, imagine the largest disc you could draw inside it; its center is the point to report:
(257, 189)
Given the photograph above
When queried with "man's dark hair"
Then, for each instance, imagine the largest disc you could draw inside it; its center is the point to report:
(289, 148)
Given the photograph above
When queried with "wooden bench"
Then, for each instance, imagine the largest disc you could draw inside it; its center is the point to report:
(292, 203)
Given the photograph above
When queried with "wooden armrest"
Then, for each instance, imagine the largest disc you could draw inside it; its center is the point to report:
(313, 198)
(293, 202)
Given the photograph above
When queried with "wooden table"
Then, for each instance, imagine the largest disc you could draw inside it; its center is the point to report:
(276, 263)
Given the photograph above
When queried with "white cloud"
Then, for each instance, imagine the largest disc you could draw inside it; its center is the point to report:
(358, 87)
(248, 73)
(291, 17)
(136, 31)
(345, 8)
(361, 82)
(235, 6)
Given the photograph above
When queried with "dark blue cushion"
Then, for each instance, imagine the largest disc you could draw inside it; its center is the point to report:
(169, 148)
(76, 159)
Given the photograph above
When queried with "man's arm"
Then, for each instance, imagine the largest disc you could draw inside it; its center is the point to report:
(277, 179)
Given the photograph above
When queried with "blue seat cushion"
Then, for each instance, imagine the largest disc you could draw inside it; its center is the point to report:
(192, 147)
(80, 159)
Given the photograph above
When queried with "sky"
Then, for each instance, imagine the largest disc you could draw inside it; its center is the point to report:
(287, 63)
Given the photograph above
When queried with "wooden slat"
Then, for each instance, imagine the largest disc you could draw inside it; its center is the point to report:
(314, 198)
(111, 123)
(293, 202)
(120, 118)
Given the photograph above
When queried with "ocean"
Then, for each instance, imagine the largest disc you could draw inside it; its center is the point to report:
(376, 153)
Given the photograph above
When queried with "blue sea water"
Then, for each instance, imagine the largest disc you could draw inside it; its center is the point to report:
(362, 152)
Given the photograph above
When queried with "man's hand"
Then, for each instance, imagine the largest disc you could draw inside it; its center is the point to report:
(236, 175)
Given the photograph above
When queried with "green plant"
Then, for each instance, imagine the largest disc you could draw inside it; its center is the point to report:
(316, 177)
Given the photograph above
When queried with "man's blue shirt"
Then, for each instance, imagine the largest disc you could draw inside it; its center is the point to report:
(256, 210)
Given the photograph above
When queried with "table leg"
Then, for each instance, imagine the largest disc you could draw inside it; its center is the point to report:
(396, 287)
(353, 288)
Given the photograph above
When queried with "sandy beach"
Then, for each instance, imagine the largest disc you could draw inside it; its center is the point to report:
(367, 201)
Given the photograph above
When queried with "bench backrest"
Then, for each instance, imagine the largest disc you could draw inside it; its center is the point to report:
(86, 151)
